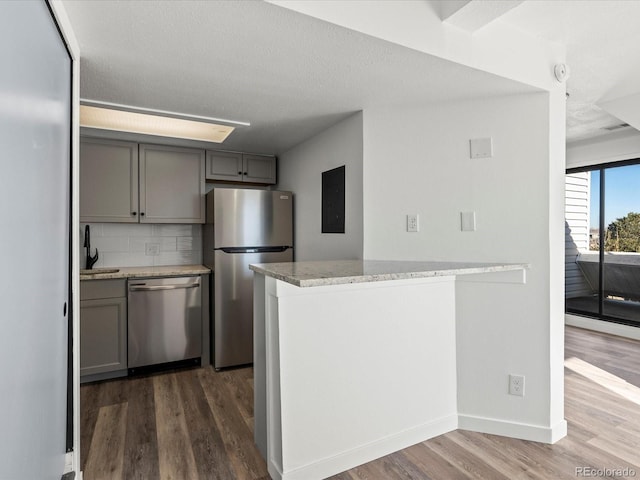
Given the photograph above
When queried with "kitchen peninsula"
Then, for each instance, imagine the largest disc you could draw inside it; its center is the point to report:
(357, 359)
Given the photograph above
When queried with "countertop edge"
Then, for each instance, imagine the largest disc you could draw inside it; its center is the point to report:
(367, 278)
(142, 272)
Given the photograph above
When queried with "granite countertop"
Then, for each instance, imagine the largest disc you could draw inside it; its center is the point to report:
(314, 274)
(139, 272)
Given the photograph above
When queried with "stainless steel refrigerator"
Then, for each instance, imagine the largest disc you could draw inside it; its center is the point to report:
(243, 226)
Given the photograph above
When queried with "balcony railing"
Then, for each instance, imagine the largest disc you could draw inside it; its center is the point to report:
(621, 273)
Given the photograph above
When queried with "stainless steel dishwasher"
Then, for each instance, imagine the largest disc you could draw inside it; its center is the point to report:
(165, 321)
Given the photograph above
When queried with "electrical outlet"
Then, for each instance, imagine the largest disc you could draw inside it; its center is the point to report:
(152, 249)
(412, 222)
(516, 385)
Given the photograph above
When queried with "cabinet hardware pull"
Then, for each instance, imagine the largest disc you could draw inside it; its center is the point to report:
(142, 214)
(245, 173)
(133, 213)
(135, 288)
(239, 173)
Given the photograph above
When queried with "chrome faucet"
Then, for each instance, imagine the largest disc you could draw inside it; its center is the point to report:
(87, 244)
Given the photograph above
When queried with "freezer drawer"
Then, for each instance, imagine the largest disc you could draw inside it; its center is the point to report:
(164, 320)
(233, 305)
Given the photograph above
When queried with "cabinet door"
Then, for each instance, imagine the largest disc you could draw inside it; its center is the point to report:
(171, 184)
(259, 168)
(224, 166)
(103, 335)
(108, 181)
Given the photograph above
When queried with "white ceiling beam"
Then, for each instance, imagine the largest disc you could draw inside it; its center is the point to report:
(446, 9)
(626, 108)
(472, 15)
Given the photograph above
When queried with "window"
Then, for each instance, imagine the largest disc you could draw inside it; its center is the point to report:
(602, 242)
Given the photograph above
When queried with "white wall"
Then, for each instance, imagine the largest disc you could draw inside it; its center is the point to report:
(124, 245)
(300, 170)
(417, 161)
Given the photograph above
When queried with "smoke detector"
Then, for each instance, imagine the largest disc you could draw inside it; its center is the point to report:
(561, 71)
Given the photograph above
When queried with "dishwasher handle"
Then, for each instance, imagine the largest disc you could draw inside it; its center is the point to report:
(143, 287)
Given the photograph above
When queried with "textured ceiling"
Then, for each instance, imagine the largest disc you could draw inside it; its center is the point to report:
(291, 75)
(287, 74)
(603, 48)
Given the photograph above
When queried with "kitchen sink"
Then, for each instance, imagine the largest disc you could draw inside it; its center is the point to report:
(96, 271)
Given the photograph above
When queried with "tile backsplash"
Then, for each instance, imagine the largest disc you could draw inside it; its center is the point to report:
(143, 245)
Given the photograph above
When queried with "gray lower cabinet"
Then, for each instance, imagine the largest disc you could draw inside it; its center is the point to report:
(241, 167)
(103, 329)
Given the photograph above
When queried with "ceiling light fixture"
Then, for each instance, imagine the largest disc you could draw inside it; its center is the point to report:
(125, 118)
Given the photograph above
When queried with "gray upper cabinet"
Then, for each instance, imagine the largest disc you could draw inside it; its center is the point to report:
(172, 184)
(108, 181)
(241, 167)
(259, 168)
(224, 166)
(128, 182)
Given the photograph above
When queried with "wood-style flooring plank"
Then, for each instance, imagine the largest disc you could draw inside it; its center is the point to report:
(240, 390)
(511, 466)
(105, 457)
(176, 460)
(206, 441)
(88, 417)
(141, 442)
(463, 459)
(245, 460)
(433, 465)
(619, 444)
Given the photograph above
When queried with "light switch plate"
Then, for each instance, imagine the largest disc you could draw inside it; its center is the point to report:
(468, 221)
(481, 147)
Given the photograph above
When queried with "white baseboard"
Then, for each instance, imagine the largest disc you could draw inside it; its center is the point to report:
(68, 462)
(602, 326)
(69, 465)
(522, 431)
(366, 453)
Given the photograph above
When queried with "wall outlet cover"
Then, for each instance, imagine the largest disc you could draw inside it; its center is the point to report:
(516, 385)
(152, 249)
(413, 222)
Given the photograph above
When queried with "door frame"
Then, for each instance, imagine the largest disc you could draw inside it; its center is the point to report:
(64, 27)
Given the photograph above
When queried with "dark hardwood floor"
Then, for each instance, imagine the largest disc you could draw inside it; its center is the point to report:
(198, 424)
